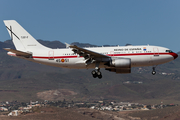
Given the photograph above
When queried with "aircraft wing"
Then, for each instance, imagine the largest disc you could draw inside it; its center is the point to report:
(84, 52)
(18, 53)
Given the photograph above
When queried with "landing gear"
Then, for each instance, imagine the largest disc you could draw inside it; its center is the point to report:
(154, 72)
(96, 73)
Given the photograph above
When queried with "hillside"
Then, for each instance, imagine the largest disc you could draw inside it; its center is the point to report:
(21, 80)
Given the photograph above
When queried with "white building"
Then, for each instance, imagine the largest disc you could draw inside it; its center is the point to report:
(14, 113)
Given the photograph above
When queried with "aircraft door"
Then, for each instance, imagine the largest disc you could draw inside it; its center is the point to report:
(111, 53)
(51, 55)
(156, 52)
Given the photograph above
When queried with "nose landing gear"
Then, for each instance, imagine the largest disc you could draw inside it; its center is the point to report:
(154, 72)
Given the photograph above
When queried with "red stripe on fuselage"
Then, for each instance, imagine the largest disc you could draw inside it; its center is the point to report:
(117, 55)
(55, 57)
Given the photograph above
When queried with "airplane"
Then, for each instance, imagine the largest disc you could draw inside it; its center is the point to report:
(119, 59)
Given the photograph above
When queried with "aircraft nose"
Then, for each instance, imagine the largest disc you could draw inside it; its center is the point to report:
(175, 55)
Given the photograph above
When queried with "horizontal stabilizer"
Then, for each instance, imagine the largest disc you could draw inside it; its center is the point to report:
(18, 53)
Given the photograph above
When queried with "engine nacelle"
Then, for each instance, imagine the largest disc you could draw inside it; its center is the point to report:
(121, 63)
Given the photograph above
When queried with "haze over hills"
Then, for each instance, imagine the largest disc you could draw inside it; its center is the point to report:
(23, 81)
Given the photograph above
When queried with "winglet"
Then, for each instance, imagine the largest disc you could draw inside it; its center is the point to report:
(67, 45)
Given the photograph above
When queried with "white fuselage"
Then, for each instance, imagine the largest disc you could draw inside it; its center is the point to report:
(139, 55)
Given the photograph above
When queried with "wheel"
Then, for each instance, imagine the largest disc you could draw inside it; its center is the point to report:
(98, 73)
(94, 74)
(99, 76)
(153, 72)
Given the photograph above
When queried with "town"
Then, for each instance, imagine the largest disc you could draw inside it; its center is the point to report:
(16, 108)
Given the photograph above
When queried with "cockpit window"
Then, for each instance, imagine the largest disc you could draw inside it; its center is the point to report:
(169, 51)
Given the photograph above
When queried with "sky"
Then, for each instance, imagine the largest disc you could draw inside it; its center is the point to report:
(98, 22)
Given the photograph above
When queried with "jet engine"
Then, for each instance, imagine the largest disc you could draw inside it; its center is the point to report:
(120, 65)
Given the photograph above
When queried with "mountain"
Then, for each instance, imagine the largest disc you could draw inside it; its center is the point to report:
(24, 80)
(83, 44)
(52, 44)
(6, 44)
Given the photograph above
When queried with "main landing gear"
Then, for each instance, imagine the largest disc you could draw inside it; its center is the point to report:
(153, 72)
(96, 73)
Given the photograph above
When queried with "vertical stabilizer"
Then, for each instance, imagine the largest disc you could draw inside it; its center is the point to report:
(22, 40)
